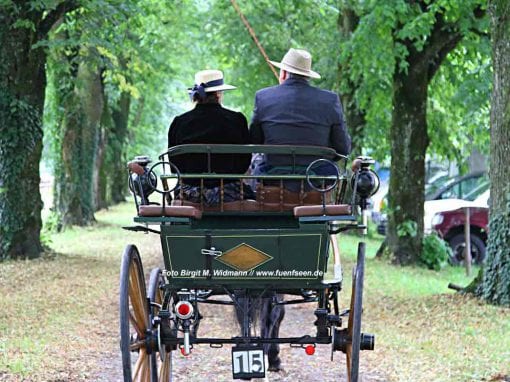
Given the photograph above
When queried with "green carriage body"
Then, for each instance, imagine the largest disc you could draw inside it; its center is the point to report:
(254, 252)
(251, 249)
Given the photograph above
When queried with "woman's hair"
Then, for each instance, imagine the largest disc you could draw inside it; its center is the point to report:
(212, 97)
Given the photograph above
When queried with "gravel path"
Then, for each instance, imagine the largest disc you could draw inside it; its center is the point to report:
(214, 365)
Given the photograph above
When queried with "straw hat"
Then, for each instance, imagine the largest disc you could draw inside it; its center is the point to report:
(210, 81)
(297, 61)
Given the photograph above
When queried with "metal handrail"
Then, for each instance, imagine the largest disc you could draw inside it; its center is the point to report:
(325, 152)
(244, 176)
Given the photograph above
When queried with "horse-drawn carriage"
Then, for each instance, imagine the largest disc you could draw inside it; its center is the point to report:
(279, 247)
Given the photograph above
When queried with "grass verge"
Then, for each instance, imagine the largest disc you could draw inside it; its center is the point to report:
(58, 314)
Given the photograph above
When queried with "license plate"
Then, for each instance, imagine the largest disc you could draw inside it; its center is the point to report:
(248, 362)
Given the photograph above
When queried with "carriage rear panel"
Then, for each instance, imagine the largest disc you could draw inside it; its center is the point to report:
(250, 254)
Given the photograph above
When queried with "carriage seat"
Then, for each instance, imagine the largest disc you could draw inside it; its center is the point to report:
(319, 210)
(272, 198)
(170, 211)
(238, 205)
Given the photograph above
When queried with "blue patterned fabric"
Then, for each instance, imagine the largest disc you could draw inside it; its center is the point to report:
(212, 196)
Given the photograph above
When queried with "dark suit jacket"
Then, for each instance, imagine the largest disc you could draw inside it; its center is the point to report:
(210, 123)
(296, 113)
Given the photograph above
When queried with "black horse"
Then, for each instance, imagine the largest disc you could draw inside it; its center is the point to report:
(268, 314)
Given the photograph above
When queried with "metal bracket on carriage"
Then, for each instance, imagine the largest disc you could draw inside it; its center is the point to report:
(334, 231)
(309, 348)
(211, 252)
(139, 228)
(303, 341)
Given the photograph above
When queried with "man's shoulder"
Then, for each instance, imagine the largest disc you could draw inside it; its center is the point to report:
(325, 93)
(269, 90)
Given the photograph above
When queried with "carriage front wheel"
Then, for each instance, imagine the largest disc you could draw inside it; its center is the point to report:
(134, 320)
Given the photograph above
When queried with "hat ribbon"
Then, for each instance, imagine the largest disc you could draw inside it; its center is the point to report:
(200, 89)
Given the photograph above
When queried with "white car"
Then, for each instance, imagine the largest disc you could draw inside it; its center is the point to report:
(479, 197)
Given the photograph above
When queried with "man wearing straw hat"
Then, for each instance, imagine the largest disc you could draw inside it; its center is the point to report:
(296, 113)
(209, 122)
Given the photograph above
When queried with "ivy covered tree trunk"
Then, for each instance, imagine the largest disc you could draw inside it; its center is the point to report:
(494, 278)
(118, 176)
(75, 181)
(22, 87)
(101, 168)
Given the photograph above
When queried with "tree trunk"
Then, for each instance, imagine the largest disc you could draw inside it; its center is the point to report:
(100, 177)
(409, 141)
(75, 196)
(120, 116)
(103, 168)
(22, 85)
(354, 117)
(494, 278)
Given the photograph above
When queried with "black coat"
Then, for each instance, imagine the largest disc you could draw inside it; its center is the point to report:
(210, 123)
(296, 113)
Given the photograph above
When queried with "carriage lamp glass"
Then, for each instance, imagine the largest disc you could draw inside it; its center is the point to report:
(437, 219)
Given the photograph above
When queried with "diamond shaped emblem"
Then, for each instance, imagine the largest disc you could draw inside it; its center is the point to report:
(244, 257)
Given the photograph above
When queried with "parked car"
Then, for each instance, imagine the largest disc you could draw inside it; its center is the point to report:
(452, 195)
(457, 188)
(450, 226)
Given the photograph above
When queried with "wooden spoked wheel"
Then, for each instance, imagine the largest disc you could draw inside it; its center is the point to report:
(354, 324)
(134, 318)
(163, 363)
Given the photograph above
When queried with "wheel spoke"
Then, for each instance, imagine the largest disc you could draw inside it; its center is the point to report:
(138, 330)
(165, 368)
(348, 356)
(141, 372)
(136, 345)
(137, 299)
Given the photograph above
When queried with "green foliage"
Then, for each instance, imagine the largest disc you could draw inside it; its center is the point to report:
(407, 228)
(459, 101)
(435, 252)
(458, 96)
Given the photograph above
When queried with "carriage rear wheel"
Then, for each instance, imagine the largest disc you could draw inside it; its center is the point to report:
(134, 319)
(163, 363)
(354, 324)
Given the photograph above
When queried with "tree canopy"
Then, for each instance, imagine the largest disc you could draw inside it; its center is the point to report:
(102, 79)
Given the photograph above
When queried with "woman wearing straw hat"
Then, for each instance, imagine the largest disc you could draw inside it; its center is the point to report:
(210, 122)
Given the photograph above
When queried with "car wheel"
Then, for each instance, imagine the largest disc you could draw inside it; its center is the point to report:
(457, 243)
